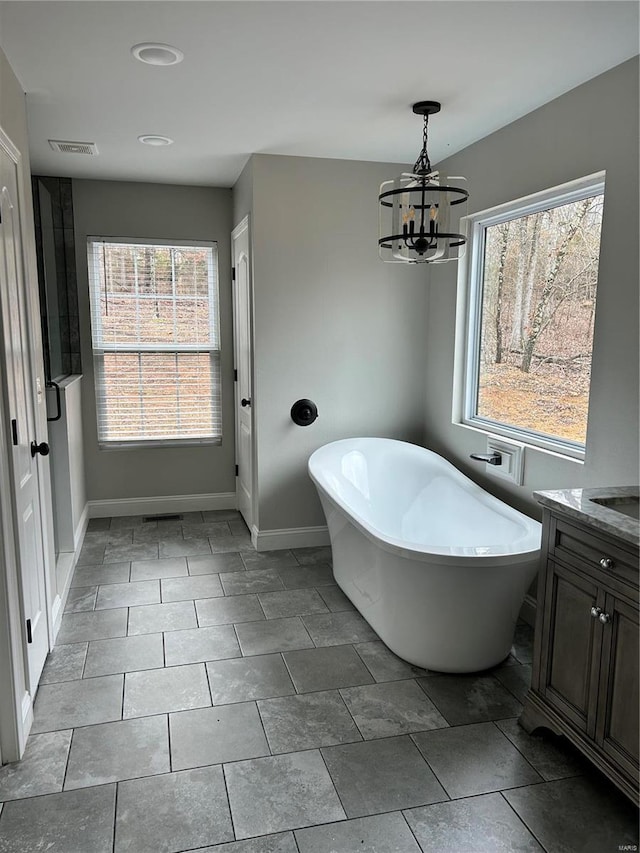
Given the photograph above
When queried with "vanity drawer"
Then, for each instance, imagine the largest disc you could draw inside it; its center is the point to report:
(578, 546)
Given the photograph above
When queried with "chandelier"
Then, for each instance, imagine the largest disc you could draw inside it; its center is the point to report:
(415, 210)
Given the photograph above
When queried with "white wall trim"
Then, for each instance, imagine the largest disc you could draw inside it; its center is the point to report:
(27, 712)
(294, 537)
(81, 529)
(159, 505)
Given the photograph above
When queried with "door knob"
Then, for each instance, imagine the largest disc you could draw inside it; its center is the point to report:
(244, 402)
(42, 448)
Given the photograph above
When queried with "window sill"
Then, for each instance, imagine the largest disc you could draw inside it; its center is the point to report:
(548, 447)
(161, 443)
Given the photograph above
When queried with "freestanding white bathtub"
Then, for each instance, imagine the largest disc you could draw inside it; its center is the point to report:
(437, 566)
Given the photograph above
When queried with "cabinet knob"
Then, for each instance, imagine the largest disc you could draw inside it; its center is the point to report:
(604, 618)
(606, 563)
(595, 612)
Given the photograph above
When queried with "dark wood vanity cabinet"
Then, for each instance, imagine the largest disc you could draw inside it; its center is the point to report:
(585, 669)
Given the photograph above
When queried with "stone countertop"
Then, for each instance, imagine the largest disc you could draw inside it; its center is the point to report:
(579, 504)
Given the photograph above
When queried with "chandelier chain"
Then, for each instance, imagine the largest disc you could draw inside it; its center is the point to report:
(423, 164)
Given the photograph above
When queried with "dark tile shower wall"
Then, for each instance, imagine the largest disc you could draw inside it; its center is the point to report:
(62, 212)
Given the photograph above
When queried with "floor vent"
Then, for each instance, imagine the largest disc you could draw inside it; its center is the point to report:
(169, 517)
(69, 147)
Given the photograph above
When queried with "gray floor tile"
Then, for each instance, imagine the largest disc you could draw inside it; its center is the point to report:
(114, 751)
(522, 648)
(73, 822)
(281, 842)
(238, 527)
(153, 533)
(273, 635)
(335, 629)
(64, 663)
(158, 691)
(78, 703)
(213, 735)
(309, 720)
(584, 814)
(215, 563)
(94, 575)
(484, 824)
(142, 570)
(107, 537)
(552, 756)
(206, 530)
(223, 611)
(474, 759)
(242, 679)
(153, 618)
(384, 665)
(381, 776)
(124, 654)
(177, 811)
(282, 792)
(241, 583)
(128, 522)
(183, 547)
(300, 577)
(91, 554)
(201, 644)
(311, 556)
(81, 598)
(326, 668)
(128, 594)
(187, 589)
(465, 699)
(334, 598)
(517, 679)
(220, 515)
(387, 833)
(268, 559)
(393, 708)
(41, 769)
(140, 551)
(226, 544)
(96, 625)
(98, 524)
(294, 602)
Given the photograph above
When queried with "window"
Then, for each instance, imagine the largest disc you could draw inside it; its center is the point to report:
(156, 342)
(527, 296)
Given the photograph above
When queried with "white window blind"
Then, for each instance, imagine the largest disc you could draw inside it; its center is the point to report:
(156, 341)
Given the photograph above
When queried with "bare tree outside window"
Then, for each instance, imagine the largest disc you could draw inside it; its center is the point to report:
(537, 314)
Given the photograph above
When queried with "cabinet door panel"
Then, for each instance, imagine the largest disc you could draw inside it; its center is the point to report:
(617, 731)
(571, 668)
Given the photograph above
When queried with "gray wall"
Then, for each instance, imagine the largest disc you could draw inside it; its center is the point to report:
(332, 323)
(118, 209)
(591, 128)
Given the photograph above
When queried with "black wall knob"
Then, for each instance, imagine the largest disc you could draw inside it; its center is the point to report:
(42, 448)
(304, 412)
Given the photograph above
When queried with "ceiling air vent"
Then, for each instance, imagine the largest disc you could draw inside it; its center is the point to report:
(67, 147)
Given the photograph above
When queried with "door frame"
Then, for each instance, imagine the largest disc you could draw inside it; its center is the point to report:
(16, 703)
(242, 226)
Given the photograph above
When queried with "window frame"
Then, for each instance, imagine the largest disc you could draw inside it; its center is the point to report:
(469, 312)
(214, 352)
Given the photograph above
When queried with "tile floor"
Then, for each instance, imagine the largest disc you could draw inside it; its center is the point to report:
(206, 697)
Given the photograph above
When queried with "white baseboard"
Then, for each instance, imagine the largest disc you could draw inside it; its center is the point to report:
(160, 505)
(81, 528)
(294, 537)
(528, 610)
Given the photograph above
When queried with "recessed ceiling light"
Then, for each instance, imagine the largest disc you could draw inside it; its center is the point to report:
(157, 54)
(153, 139)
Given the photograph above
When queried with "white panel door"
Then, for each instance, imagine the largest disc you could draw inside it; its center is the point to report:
(21, 428)
(243, 358)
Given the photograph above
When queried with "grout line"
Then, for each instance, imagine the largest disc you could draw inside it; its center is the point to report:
(226, 790)
(66, 764)
(115, 816)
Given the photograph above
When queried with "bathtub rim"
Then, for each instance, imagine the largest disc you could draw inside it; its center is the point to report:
(427, 554)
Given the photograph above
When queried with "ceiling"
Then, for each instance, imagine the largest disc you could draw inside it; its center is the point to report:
(321, 79)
